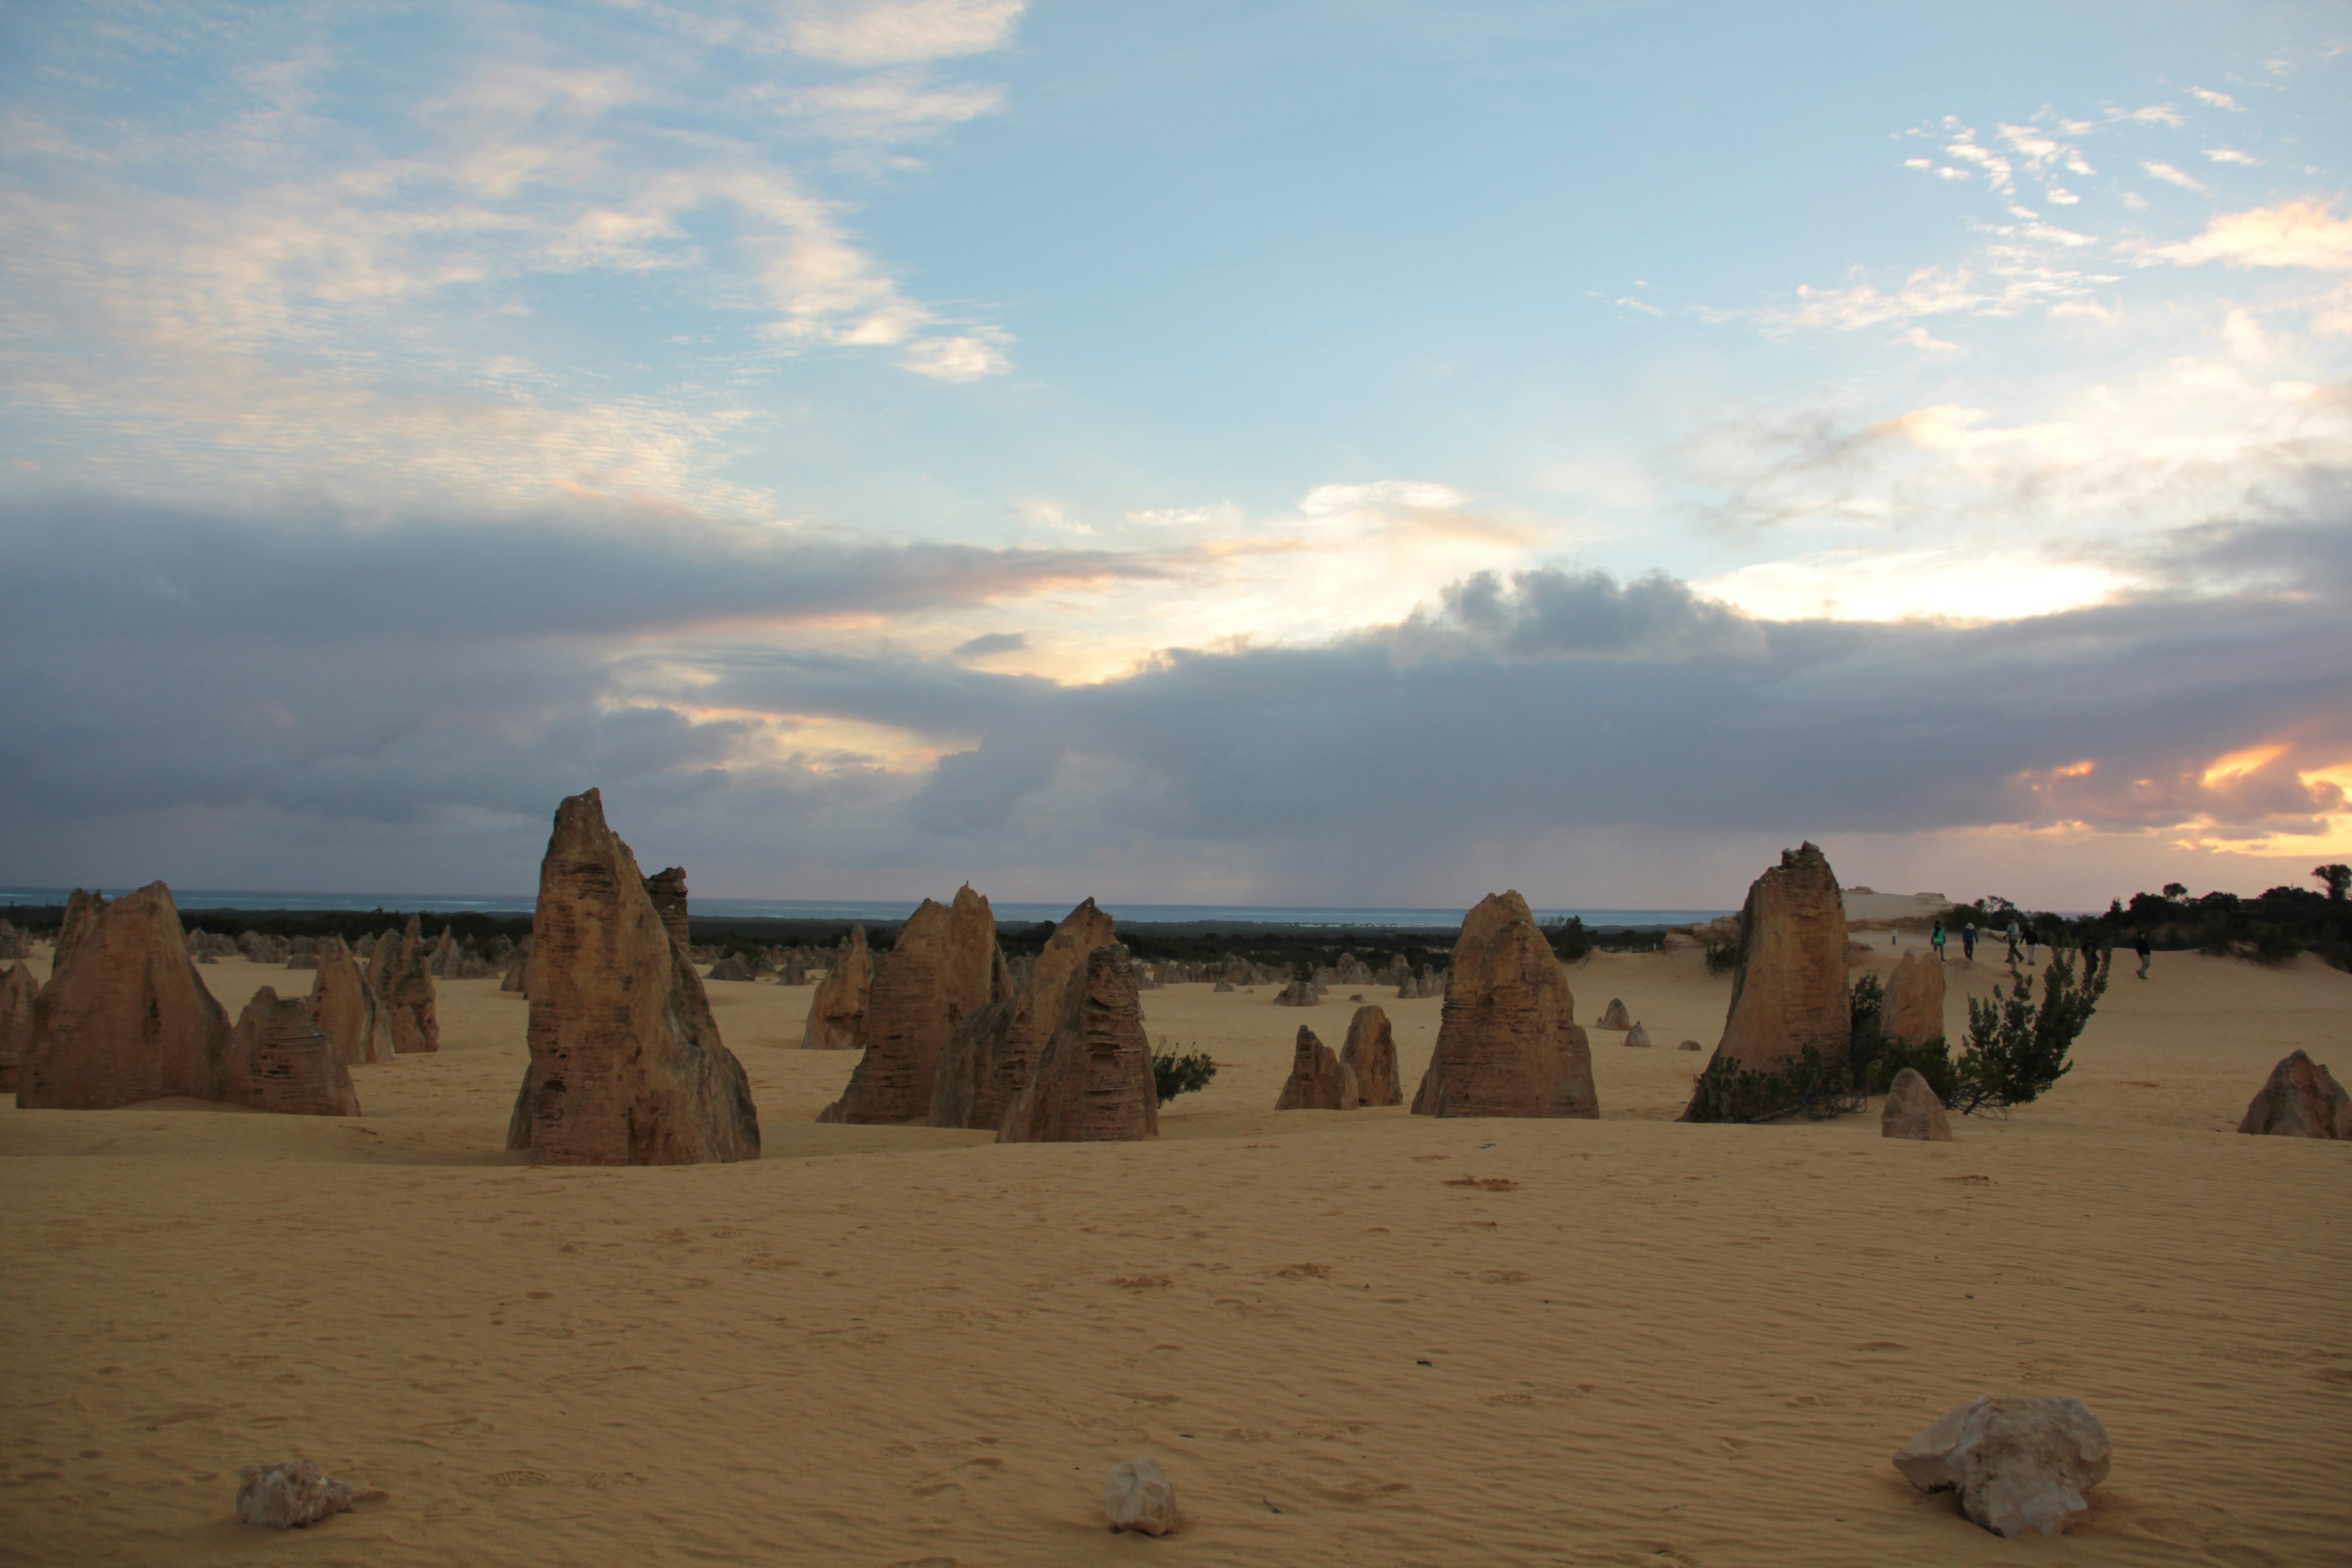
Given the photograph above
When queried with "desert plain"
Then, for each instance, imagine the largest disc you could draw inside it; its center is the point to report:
(1353, 1337)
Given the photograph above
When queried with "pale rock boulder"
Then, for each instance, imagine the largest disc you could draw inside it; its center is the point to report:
(1370, 1054)
(626, 1064)
(125, 1017)
(278, 1060)
(344, 1007)
(2301, 1100)
(1614, 1015)
(1139, 1496)
(2016, 1464)
(80, 918)
(404, 997)
(1912, 1110)
(1915, 1000)
(944, 965)
(991, 1051)
(17, 989)
(1508, 1043)
(1789, 990)
(1093, 1081)
(1319, 1080)
(292, 1496)
(1637, 1036)
(837, 1011)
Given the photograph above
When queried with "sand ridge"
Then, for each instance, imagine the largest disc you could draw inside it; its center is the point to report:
(1351, 1337)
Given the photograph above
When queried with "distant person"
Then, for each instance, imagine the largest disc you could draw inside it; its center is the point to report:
(2032, 942)
(2013, 945)
(1936, 941)
(2090, 961)
(1968, 941)
(2143, 949)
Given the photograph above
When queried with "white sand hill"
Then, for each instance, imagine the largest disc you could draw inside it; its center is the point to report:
(1632, 1341)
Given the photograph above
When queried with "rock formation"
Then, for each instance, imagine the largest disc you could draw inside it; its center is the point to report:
(343, 1006)
(1614, 1015)
(279, 1061)
(1915, 1000)
(1912, 1110)
(1139, 1496)
(626, 1065)
(2300, 1099)
(1093, 1081)
(667, 889)
(403, 991)
(943, 966)
(1508, 1044)
(1298, 994)
(1222, 984)
(732, 966)
(1690, 1046)
(124, 1016)
(991, 1051)
(2017, 1464)
(291, 1496)
(837, 1012)
(13, 943)
(1789, 990)
(82, 911)
(17, 989)
(1317, 1080)
(1370, 1054)
(517, 978)
(1638, 1038)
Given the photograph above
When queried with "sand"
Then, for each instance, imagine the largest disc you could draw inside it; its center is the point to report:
(1623, 1341)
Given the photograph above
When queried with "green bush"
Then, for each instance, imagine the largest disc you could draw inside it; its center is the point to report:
(1173, 1075)
(2275, 944)
(2017, 1049)
(1814, 1084)
(1722, 957)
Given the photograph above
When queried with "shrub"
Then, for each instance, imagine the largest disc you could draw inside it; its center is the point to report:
(1722, 957)
(1172, 1075)
(1569, 941)
(2275, 944)
(2016, 1050)
(1814, 1084)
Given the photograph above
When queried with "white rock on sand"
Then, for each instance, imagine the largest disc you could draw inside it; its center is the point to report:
(2016, 1464)
(1139, 1496)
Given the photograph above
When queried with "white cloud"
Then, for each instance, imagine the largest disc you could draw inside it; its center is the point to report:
(2154, 114)
(968, 357)
(1948, 172)
(900, 32)
(2305, 232)
(2062, 196)
(2172, 177)
(2231, 155)
(1996, 169)
(2218, 99)
(892, 106)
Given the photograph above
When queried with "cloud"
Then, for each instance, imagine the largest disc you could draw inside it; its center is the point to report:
(2172, 177)
(2218, 99)
(2305, 232)
(897, 32)
(992, 642)
(2231, 155)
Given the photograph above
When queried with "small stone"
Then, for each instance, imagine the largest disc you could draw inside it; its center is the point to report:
(2017, 1464)
(1139, 1496)
(1690, 1046)
(292, 1496)
(1638, 1036)
(1912, 1110)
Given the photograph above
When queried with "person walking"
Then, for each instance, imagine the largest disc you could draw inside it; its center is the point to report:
(2142, 948)
(1968, 941)
(1936, 941)
(2013, 945)
(2032, 940)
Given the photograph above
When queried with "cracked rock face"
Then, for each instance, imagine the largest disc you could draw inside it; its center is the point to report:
(402, 974)
(1093, 1081)
(280, 1060)
(943, 966)
(1319, 1080)
(837, 1011)
(1370, 1054)
(1915, 1000)
(291, 1496)
(1912, 1110)
(1790, 991)
(2301, 1100)
(991, 1052)
(17, 989)
(626, 1065)
(2015, 1464)
(343, 1006)
(1508, 1043)
(125, 1017)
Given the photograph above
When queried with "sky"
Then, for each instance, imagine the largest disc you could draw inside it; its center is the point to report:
(1301, 452)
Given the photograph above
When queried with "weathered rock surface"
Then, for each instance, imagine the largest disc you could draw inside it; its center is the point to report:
(17, 989)
(1790, 991)
(279, 1061)
(80, 918)
(1093, 1081)
(1370, 1054)
(837, 1011)
(1912, 1110)
(517, 978)
(125, 1017)
(1139, 1496)
(943, 966)
(667, 889)
(404, 997)
(1319, 1080)
(991, 1051)
(626, 1065)
(1915, 1000)
(1222, 984)
(291, 1496)
(13, 943)
(1614, 1015)
(733, 966)
(1508, 1044)
(1638, 1038)
(2301, 1100)
(2017, 1464)
(1298, 994)
(343, 1006)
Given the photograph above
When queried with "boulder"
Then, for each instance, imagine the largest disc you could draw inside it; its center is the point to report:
(344, 1007)
(837, 1012)
(279, 1061)
(1298, 994)
(1508, 1044)
(125, 1017)
(404, 997)
(1093, 1081)
(17, 989)
(1915, 1000)
(1370, 1054)
(991, 1051)
(943, 966)
(1690, 1046)
(2017, 1464)
(626, 1065)
(1139, 1496)
(2301, 1100)
(291, 1496)
(1614, 1015)
(82, 911)
(1319, 1080)
(13, 943)
(733, 966)
(1912, 1110)
(1638, 1038)
(1789, 990)
(1222, 984)
(517, 978)
(303, 960)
